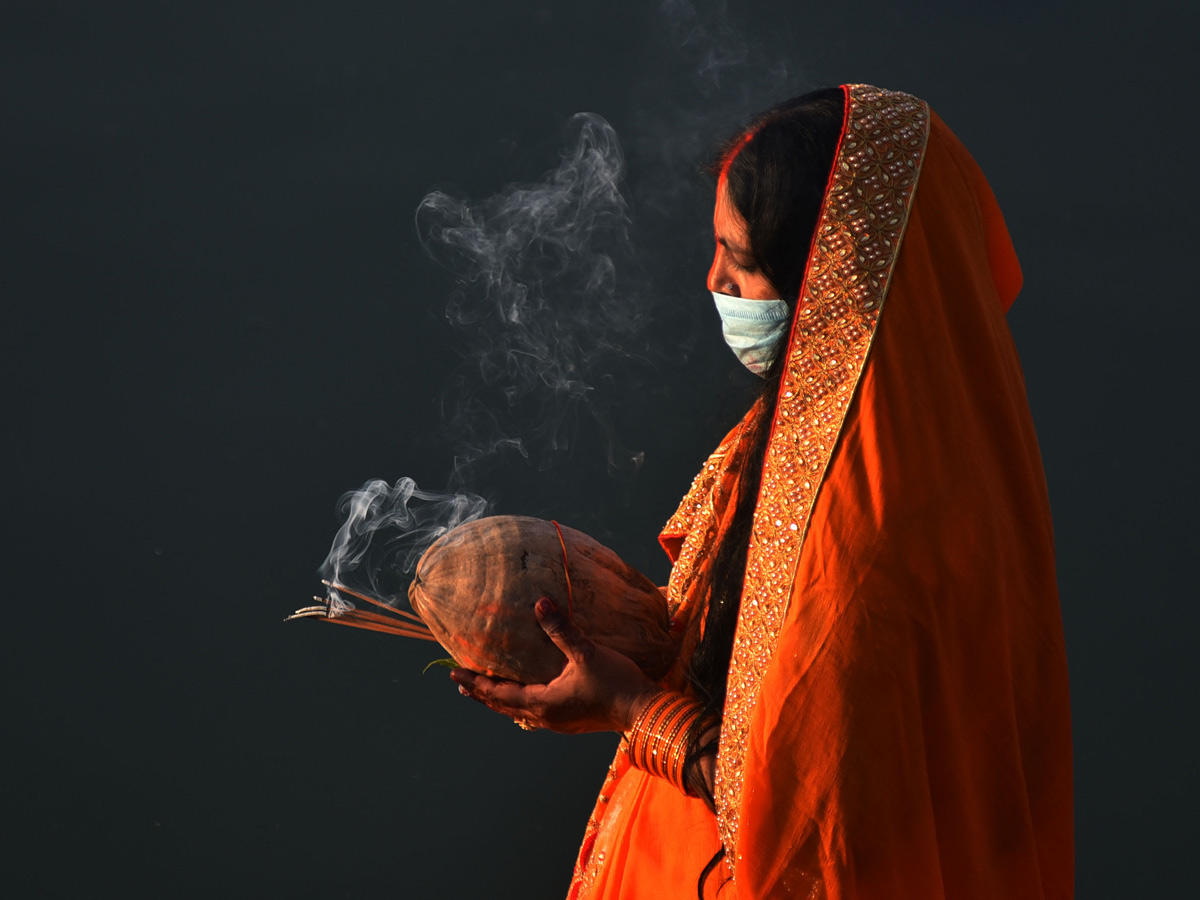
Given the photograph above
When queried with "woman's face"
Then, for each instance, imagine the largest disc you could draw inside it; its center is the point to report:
(733, 271)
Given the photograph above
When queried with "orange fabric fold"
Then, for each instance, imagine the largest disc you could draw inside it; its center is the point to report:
(916, 710)
(911, 733)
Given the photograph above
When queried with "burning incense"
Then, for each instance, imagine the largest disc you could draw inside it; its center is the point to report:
(405, 624)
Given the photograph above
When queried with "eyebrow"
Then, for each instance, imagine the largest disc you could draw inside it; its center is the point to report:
(735, 249)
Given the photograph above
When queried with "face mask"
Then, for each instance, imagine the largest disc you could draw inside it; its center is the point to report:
(754, 329)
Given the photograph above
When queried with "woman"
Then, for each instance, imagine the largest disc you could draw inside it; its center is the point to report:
(871, 699)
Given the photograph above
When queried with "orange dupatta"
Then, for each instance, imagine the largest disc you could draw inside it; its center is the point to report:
(897, 721)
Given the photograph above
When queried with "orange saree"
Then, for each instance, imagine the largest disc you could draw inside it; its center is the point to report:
(896, 723)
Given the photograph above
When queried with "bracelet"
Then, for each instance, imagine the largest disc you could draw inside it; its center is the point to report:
(658, 740)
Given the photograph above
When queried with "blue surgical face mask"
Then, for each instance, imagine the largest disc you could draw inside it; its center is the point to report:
(754, 329)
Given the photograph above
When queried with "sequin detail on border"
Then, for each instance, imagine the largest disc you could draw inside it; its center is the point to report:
(588, 863)
(858, 239)
(696, 520)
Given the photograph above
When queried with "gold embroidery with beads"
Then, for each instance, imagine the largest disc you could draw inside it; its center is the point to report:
(589, 861)
(695, 522)
(698, 517)
(858, 238)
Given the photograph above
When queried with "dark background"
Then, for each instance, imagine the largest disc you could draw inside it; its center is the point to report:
(217, 318)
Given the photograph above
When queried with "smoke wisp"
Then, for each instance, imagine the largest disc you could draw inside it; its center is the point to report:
(545, 314)
(554, 316)
(705, 90)
(546, 328)
(385, 530)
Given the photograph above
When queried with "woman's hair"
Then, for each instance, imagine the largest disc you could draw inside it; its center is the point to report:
(776, 172)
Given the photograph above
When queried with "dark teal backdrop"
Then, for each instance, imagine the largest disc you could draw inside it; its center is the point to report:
(217, 318)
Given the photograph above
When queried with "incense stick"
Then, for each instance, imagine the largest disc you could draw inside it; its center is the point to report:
(369, 626)
(400, 612)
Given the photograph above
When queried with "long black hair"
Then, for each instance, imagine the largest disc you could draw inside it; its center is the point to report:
(776, 172)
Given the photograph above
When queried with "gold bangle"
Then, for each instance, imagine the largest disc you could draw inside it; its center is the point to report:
(638, 727)
(659, 738)
(678, 742)
(685, 715)
(679, 757)
(661, 705)
(643, 727)
(658, 735)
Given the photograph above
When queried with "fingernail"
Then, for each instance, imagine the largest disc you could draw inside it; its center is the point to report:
(462, 690)
(545, 607)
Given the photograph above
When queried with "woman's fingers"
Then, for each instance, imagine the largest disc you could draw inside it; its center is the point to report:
(507, 697)
(467, 681)
(559, 628)
(594, 691)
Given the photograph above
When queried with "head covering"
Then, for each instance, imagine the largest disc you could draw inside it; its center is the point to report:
(896, 720)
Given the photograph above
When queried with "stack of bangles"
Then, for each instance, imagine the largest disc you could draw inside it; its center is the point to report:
(658, 741)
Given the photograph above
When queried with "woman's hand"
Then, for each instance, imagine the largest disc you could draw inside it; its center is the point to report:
(599, 689)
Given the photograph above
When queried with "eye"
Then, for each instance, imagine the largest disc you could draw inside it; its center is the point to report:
(748, 269)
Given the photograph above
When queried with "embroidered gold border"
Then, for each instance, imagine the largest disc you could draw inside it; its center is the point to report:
(858, 239)
(695, 522)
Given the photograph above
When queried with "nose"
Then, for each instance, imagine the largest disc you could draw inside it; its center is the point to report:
(720, 277)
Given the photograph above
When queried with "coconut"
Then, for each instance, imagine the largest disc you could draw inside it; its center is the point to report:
(476, 586)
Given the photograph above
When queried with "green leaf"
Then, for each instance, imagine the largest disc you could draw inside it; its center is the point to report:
(448, 663)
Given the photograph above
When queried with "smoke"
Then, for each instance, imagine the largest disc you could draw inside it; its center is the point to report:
(717, 46)
(549, 333)
(723, 60)
(701, 94)
(556, 319)
(547, 316)
(385, 530)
